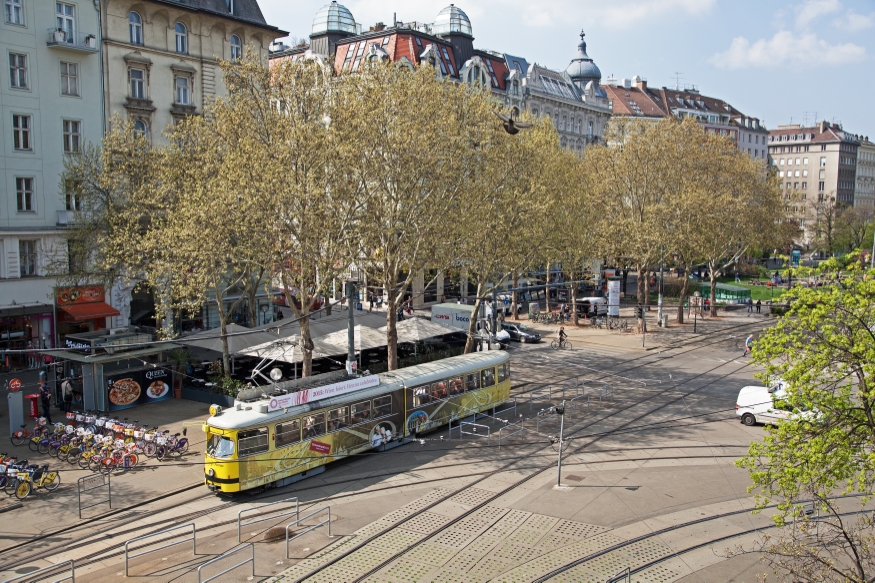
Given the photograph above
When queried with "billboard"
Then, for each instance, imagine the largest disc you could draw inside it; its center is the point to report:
(130, 388)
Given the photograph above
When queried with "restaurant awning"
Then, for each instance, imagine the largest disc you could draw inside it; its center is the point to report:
(240, 338)
(82, 312)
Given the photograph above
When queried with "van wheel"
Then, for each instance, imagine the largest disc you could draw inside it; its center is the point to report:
(748, 419)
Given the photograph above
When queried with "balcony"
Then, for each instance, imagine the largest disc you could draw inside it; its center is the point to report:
(72, 40)
(65, 218)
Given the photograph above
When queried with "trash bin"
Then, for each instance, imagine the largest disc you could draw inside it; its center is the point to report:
(33, 406)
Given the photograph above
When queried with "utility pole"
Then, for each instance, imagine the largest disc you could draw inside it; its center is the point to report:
(560, 410)
(350, 329)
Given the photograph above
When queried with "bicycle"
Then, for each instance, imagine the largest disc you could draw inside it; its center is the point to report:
(172, 444)
(33, 477)
(22, 435)
(563, 345)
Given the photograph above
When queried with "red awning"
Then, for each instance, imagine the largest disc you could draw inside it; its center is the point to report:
(90, 311)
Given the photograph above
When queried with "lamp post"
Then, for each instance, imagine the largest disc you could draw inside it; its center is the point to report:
(350, 329)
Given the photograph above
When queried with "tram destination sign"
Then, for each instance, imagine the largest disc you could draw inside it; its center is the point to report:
(315, 394)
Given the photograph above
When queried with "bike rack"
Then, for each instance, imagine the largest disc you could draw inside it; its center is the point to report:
(226, 555)
(309, 528)
(30, 575)
(240, 514)
(519, 426)
(181, 526)
(474, 432)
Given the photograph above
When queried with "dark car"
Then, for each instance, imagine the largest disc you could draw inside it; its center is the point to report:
(520, 333)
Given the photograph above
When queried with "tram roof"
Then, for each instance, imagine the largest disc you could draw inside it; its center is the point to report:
(437, 370)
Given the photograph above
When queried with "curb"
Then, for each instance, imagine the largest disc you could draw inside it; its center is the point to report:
(10, 506)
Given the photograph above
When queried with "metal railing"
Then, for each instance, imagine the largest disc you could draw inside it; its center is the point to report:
(93, 482)
(621, 576)
(578, 401)
(240, 524)
(603, 389)
(511, 429)
(309, 528)
(251, 559)
(55, 567)
(72, 38)
(542, 394)
(474, 427)
(192, 538)
(543, 416)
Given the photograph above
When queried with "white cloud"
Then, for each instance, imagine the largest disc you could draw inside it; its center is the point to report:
(786, 48)
(810, 10)
(853, 22)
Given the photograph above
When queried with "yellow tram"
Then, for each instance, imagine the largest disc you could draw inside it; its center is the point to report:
(286, 436)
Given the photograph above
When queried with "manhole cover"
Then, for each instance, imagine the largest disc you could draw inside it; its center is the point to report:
(574, 478)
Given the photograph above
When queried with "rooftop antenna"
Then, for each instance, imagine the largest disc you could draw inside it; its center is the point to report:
(677, 82)
(394, 19)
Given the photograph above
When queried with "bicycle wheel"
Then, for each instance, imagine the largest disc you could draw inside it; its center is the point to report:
(33, 444)
(10, 486)
(554, 345)
(150, 449)
(18, 438)
(566, 345)
(106, 466)
(43, 447)
(51, 481)
(22, 490)
(183, 448)
(131, 460)
(3, 480)
(73, 455)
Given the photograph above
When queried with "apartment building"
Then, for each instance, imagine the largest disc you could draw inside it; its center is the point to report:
(864, 191)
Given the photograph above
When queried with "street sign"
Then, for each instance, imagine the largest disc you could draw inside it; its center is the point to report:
(15, 385)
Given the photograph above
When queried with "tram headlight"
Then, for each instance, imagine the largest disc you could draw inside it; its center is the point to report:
(211, 472)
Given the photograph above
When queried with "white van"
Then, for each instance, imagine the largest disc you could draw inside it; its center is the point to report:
(766, 405)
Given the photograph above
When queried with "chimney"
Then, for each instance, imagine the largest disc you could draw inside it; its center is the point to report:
(824, 125)
(639, 82)
(627, 84)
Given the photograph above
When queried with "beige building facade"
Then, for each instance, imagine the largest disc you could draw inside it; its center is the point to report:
(864, 193)
(160, 57)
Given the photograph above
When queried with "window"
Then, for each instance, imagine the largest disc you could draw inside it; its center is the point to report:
(418, 42)
(805, 173)
(822, 161)
(781, 162)
(805, 161)
(383, 406)
(220, 446)
(72, 188)
(21, 125)
(252, 441)
(457, 387)
(72, 135)
(421, 396)
(140, 127)
(69, 79)
(823, 147)
(236, 48)
(789, 161)
(564, 122)
(338, 419)
(138, 84)
(288, 433)
(17, 71)
(314, 425)
(232, 5)
(795, 186)
(27, 257)
(386, 40)
(14, 12)
(797, 161)
(796, 174)
(473, 382)
(65, 19)
(439, 391)
(804, 185)
(488, 377)
(781, 174)
(24, 192)
(822, 174)
(820, 186)
(503, 372)
(182, 93)
(181, 38)
(361, 412)
(788, 186)
(135, 25)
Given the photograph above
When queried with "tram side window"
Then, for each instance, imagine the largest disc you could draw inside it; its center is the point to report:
(383, 406)
(457, 387)
(361, 412)
(288, 432)
(488, 376)
(421, 396)
(314, 425)
(473, 381)
(439, 390)
(252, 441)
(338, 418)
(503, 371)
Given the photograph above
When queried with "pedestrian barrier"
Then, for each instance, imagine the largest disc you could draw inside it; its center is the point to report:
(543, 416)
(473, 426)
(578, 401)
(87, 483)
(570, 387)
(605, 390)
(192, 538)
(513, 408)
(55, 567)
(287, 500)
(511, 429)
(225, 556)
(623, 576)
(542, 394)
(309, 528)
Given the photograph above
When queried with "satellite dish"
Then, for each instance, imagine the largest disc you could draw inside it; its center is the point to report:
(276, 374)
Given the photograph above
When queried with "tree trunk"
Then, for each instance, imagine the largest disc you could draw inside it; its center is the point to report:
(685, 289)
(470, 342)
(639, 271)
(547, 289)
(713, 278)
(574, 304)
(514, 298)
(391, 327)
(306, 343)
(646, 301)
(226, 360)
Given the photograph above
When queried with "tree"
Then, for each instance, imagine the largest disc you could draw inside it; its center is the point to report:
(822, 350)
(853, 223)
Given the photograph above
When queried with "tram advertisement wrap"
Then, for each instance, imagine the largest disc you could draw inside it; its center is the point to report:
(136, 387)
(440, 411)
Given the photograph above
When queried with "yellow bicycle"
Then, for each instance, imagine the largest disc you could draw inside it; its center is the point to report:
(38, 478)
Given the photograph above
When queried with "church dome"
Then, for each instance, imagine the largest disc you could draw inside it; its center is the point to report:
(582, 69)
(452, 20)
(334, 18)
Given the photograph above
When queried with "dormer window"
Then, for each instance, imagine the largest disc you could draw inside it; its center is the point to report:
(232, 6)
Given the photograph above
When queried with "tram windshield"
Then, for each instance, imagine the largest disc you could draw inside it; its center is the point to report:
(220, 446)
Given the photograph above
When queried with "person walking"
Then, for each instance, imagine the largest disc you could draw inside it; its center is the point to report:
(749, 306)
(759, 305)
(67, 393)
(45, 395)
(748, 345)
(737, 279)
(370, 303)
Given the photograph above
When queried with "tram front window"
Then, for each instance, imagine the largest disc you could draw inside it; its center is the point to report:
(220, 446)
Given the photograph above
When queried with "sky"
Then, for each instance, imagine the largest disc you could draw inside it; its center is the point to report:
(783, 62)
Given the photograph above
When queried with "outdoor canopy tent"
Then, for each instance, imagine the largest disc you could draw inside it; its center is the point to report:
(365, 338)
(288, 349)
(239, 339)
(418, 329)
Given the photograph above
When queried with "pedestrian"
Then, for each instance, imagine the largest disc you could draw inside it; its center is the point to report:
(67, 393)
(748, 345)
(45, 395)
(400, 314)
(737, 279)
(749, 306)
(759, 305)
(31, 355)
(370, 303)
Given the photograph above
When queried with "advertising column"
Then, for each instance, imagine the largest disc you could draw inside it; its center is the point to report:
(614, 297)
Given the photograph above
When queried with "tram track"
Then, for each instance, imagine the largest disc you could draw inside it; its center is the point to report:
(105, 553)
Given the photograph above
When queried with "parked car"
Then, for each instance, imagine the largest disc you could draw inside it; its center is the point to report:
(520, 333)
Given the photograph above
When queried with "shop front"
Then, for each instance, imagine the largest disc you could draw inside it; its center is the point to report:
(81, 310)
(24, 327)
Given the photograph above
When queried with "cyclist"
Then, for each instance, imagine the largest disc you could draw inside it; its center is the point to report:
(748, 348)
(562, 335)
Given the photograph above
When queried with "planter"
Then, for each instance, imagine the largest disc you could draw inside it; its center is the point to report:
(91, 42)
(206, 397)
(177, 393)
(59, 36)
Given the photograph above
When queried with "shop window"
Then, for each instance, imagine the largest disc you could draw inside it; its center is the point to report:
(473, 381)
(338, 419)
(487, 377)
(252, 441)
(288, 433)
(361, 412)
(314, 425)
(383, 406)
